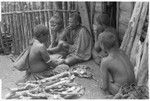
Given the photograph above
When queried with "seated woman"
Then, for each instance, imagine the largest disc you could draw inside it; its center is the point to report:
(40, 65)
(116, 68)
(78, 40)
(102, 24)
(56, 25)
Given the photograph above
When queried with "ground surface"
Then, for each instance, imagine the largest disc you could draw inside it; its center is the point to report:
(9, 76)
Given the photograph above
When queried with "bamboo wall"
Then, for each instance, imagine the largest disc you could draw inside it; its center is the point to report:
(19, 18)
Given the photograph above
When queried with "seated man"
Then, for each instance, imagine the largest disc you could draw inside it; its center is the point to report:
(116, 68)
(56, 25)
(78, 40)
(40, 65)
(102, 24)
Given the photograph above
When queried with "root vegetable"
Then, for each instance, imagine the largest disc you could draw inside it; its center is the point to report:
(64, 74)
(56, 84)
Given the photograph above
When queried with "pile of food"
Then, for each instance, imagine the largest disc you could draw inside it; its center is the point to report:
(82, 71)
(60, 86)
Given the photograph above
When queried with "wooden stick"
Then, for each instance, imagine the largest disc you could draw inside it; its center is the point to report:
(142, 75)
(15, 32)
(128, 31)
(117, 17)
(25, 30)
(140, 26)
(12, 31)
(18, 30)
(128, 38)
(65, 15)
(135, 21)
(32, 22)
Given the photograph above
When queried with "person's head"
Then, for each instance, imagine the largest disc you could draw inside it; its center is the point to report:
(56, 22)
(103, 20)
(74, 19)
(97, 29)
(107, 41)
(41, 33)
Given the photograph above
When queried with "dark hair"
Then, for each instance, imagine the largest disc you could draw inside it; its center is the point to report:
(40, 29)
(107, 39)
(58, 18)
(76, 16)
(103, 19)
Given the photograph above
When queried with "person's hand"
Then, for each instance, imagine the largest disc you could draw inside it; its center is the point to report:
(60, 61)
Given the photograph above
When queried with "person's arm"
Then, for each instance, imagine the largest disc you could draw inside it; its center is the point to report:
(62, 46)
(105, 76)
(45, 57)
(97, 46)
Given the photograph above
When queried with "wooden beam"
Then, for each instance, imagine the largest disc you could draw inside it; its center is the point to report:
(15, 12)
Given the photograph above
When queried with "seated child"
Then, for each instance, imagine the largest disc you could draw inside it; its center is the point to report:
(56, 26)
(102, 24)
(40, 65)
(116, 68)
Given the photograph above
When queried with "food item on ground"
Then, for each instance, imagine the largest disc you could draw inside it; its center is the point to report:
(60, 86)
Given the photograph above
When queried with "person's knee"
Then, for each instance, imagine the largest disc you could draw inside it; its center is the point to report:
(113, 88)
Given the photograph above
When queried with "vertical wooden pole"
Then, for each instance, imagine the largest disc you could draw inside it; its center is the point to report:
(117, 18)
(18, 28)
(65, 14)
(12, 30)
(15, 31)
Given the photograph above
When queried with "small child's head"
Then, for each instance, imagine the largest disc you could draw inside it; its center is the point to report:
(74, 19)
(103, 19)
(41, 33)
(98, 29)
(56, 22)
(107, 40)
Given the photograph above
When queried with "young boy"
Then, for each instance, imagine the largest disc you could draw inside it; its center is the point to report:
(116, 68)
(40, 65)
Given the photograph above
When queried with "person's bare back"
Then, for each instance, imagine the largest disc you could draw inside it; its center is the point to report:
(37, 61)
(116, 68)
(120, 68)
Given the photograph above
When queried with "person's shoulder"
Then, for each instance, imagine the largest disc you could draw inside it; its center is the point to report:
(84, 28)
(39, 46)
(106, 60)
(111, 29)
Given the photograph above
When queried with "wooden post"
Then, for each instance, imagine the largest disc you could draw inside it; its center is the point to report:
(2, 46)
(20, 28)
(12, 31)
(129, 34)
(135, 20)
(140, 26)
(65, 14)
(142, 75)
(117, 17)
(15, 32)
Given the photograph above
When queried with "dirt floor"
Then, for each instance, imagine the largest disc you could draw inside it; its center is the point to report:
(9, 76)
